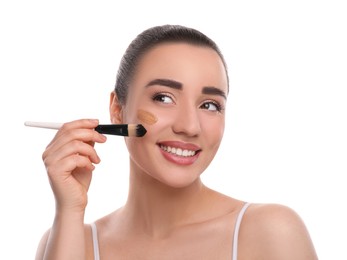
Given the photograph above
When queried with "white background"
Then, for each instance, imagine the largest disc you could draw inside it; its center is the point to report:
(285, 140)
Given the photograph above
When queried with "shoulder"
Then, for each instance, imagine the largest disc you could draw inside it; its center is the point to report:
(42, 245)
(274, 231)
(40, 252)
(273, 219)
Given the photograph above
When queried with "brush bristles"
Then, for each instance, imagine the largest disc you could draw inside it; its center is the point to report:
(136, 130)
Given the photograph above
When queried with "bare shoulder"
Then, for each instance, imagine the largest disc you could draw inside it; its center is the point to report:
(42, 245)
(89, 241)
(274, 231)
(40, 252)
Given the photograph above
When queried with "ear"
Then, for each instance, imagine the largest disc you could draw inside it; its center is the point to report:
(115, 109)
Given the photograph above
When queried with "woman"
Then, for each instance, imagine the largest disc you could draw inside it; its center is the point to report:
(177, 77)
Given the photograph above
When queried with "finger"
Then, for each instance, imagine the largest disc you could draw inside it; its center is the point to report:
(65, 166)
(82, 135)
(81, 123)
(72, 148)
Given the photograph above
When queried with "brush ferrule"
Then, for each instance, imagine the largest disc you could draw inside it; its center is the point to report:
(119, 129)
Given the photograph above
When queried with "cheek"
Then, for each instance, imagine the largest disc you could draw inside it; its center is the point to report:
(155, 122)
(213, 132)
(146, 117)
(138, 151)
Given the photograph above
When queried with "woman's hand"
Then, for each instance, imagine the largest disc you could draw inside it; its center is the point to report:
(69, 161)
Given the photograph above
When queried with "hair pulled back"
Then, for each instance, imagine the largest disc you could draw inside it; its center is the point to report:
(147, 40)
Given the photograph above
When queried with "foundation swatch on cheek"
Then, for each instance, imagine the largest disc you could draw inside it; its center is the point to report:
(146, 117)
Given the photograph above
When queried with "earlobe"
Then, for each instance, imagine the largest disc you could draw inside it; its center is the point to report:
(115, 109)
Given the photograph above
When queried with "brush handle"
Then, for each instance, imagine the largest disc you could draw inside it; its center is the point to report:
(48, 125)
(114, 129)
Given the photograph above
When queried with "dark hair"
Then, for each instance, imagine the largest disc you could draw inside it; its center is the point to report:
(150, 38)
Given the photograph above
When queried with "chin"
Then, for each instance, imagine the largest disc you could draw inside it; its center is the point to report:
(179, 180)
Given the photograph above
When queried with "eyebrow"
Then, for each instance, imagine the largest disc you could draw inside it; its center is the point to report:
(165, 82)
(208, 90)
(214, 91)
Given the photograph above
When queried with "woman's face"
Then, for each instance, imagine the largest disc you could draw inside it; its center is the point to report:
(185, 87)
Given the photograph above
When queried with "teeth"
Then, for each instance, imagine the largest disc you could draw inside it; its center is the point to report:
(178, 151)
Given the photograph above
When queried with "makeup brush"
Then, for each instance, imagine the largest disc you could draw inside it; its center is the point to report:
(136, 130)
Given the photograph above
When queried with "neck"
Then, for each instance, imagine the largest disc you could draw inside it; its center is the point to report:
(156, 208)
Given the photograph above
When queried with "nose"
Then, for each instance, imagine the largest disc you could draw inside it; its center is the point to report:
(187, 121)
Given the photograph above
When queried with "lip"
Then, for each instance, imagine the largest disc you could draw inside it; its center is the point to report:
(180, 160)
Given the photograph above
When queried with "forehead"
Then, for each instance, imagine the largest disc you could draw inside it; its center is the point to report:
(183, 62)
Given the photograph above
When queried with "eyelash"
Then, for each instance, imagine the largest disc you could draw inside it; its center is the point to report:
(218, 106)
(159, 96)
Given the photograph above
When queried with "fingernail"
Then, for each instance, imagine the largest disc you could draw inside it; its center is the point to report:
(94, 121)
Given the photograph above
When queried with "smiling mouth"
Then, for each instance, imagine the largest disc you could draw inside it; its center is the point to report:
(178, 151)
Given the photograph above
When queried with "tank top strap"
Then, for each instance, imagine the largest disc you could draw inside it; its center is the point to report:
(95, 241)
(237, 228)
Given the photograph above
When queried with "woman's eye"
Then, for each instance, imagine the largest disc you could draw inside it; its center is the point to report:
(211, 106)
(163, 98)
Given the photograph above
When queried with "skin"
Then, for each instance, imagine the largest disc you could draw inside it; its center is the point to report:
(146, 117)
(169, 213)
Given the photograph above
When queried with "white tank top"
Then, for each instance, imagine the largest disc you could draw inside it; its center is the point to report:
(235, 239)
